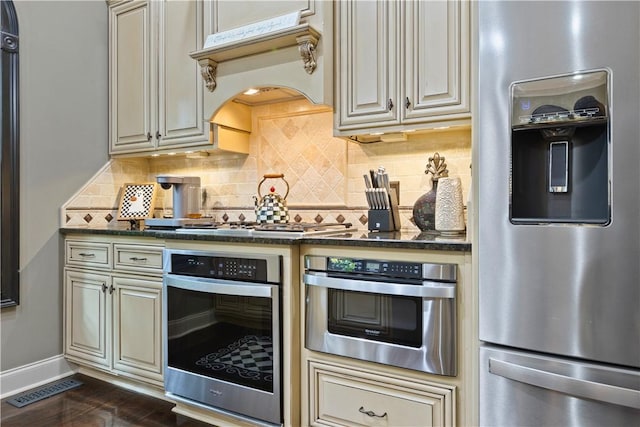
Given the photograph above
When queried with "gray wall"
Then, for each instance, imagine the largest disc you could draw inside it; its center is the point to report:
(63, 142)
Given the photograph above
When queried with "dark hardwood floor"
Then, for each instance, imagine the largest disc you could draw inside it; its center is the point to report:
(95, 403)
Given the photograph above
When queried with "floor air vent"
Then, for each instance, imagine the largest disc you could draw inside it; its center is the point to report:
(43, 392)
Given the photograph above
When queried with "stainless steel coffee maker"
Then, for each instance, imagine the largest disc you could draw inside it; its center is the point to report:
(186, 201)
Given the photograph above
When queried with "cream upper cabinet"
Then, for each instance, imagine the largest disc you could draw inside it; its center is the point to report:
(368, 63)
(401, 65)
(156, 91)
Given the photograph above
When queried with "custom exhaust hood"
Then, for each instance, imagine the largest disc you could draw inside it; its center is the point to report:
(284, 57)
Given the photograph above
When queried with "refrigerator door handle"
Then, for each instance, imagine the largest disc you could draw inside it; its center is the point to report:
(564, 384)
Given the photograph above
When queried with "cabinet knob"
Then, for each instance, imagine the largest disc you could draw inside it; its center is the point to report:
(407, 103)
(104, 288)
(389, 104)
(149, 136)
(158, 135)
(111, 289)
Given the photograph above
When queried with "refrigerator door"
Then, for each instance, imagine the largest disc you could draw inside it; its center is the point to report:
(564, 289)
(524, 389)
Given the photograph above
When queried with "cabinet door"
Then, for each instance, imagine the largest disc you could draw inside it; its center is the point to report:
(436, 58)
(343, 396)
(87, 315)
(367, 80)
(132, 77)
(181, 30)
(137, 310)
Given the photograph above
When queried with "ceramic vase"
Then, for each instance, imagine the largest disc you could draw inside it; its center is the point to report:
(449, 217)
(424, 209)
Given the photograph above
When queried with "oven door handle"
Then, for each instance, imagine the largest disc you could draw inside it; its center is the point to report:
(225, 287)
(427, 289)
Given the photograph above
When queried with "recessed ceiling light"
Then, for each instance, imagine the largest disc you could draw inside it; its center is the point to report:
(251, 92)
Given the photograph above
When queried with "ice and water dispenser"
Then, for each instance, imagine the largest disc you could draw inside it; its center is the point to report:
(560, 150)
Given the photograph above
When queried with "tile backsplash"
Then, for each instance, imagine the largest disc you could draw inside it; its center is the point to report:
(324, 173)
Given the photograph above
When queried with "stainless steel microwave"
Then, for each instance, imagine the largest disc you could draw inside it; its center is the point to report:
(396, 313)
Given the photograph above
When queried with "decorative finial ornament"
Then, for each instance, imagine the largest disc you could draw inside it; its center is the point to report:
(437, 167)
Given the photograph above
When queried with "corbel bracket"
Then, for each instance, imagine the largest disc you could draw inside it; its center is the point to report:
(208, 70)
(307, 48)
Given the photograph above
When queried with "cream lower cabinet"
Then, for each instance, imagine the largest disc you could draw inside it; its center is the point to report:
(156, 90)
(88, 317)
(402, 65)
(113, 315)
(137, 327)
(344, 396)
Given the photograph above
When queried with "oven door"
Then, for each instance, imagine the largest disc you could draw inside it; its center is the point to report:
(405, 325)
(222, 345)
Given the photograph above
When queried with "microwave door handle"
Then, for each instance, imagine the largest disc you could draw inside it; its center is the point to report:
(221, 287)
(427, 289)
(572, 386)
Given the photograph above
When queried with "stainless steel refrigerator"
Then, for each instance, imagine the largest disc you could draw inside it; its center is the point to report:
(558, 131)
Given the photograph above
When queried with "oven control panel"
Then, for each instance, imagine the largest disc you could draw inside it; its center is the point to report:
(216, 267)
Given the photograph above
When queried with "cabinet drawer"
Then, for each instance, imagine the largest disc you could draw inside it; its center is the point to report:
(345, 396)
(138, 258)
(88, 254)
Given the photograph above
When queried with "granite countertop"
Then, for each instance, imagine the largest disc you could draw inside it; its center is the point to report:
(357, 238)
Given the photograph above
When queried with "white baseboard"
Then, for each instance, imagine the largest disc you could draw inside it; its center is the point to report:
(35, 374)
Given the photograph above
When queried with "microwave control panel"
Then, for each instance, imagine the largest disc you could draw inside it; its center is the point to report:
(368, 266)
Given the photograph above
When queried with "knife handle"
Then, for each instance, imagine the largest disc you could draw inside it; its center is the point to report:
(373, 178)
(367, 181)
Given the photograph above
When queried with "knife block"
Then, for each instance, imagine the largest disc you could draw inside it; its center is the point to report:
(386, 219)
(380, 220)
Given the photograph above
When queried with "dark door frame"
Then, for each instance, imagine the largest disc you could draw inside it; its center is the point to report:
(10, 129)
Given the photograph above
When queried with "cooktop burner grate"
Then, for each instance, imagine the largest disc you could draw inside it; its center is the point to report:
(302, 226)
(296, 229)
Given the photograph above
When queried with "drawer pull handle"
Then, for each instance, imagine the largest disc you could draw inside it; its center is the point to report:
(371, 413)
(85, 255)
(135, 258)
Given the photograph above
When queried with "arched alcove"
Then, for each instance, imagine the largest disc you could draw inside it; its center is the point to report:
(10, 129)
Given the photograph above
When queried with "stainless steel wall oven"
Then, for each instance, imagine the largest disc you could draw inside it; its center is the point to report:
(397, 313)
(222, 332)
